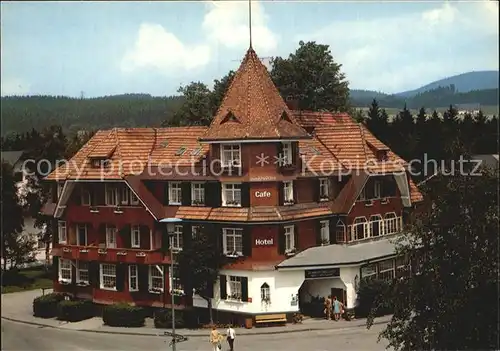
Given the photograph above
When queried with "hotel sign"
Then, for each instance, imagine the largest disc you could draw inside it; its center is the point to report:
(264, 242)
(322, 273)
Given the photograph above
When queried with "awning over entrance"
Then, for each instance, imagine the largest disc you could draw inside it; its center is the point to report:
(341, 255)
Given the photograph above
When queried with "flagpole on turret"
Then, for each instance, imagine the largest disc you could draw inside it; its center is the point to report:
(250, 20)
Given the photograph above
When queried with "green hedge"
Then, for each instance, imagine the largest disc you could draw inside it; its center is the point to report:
(183, 319)
(74, 311)
(45, 306)
(123, 315)
(376, 295)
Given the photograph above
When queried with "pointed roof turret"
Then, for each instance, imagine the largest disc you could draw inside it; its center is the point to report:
(252, 108)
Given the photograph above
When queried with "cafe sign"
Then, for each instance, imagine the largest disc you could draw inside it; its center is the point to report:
(322, 273)
(266, 194)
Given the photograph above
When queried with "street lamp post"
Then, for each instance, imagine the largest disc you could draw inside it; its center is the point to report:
(171, 237)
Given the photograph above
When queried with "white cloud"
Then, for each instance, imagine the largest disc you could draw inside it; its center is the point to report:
(227, 24)
(156, 48)
(14, 86)
(405, 51)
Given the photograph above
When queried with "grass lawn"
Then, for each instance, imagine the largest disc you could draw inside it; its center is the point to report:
(26, 279)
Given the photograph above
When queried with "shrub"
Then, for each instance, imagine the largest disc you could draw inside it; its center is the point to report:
(370, 292)
(123, 315)
(314, 308)
(45, 306)
(74, 311)
(163, 319)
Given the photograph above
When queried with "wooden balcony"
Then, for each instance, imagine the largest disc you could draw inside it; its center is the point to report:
(93, 253)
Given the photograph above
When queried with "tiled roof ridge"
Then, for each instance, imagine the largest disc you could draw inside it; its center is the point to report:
(363, 139)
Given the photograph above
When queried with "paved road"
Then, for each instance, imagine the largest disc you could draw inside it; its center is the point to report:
(16, 336)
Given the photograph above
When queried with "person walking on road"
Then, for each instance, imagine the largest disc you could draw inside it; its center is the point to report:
(337, 307)
(231, 334)
(215, 339)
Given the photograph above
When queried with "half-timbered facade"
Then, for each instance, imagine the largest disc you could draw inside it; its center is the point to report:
(268, 184)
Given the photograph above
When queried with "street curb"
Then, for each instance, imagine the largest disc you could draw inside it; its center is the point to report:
(190, 335)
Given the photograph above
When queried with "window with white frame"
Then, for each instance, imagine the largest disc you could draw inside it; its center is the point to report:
(362, 195)
(62, 232)
(124, 195)
(60, 186)
(197, 193)
(108, 276)
(265, 293)
(324, 187)
(134, 200)
(377, 189)
(175, 280)
(133, 278)
(391, 223)
(195, 231)
(82, 272)
(136, 236)
(156, 278)
(85, 197)
(340, 232)
(230, 155)
(174, 193)
(369, 271)
(65, 271)
(386, 269)
(376, 225)
(234, 292)
(231, 194)
(111, 195)
(175, 236)
(81, 237)
(288, 192)
(359, 228)
(289, 238)
(287, 154)
(110, 236)
(325, 232)
(233, 241)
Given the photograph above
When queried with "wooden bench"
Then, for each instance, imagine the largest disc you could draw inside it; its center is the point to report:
(270, 318)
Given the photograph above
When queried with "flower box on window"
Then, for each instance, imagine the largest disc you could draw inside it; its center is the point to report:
(232, 254)
(140, 254)
(325, 242)
(94, 209)
(384, 200)
(177, 292)
(266, 300)
(155, 290)
(64, 282)
(66, 249)
(324, 198)
(234, 297)
(121, 253)
(287, 166)
(83, 284)
(232, 203)
(102, 251)
(84, 250)
(369, 203)
(197, 203)
(118, 210)
(289, 202)
(291, 252)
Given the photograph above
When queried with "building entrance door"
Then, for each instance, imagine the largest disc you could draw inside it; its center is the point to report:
(340, 294)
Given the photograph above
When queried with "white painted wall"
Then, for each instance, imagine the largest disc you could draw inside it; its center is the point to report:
(349, 275)
(282, 284)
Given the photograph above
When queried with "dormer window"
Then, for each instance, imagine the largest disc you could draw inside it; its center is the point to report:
(230, 155)
(382, 155)
(99, 162)
(286, 156)
(324, 187)
(230, 117)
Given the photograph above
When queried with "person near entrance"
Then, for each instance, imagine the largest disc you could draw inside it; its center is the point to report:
(328, 307)
(230, 334)
(337, 308)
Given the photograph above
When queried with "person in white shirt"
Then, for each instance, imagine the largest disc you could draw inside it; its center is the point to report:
(231, 334)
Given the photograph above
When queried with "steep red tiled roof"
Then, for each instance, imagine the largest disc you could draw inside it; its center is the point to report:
(253, 108)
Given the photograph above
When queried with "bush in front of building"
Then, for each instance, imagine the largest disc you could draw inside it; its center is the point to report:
(314, 308)
(45, 306)
(74, 311)
(370, 292)
(163, 319)
(123, 315)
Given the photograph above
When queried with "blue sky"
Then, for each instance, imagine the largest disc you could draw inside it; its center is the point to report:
(105, 48)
